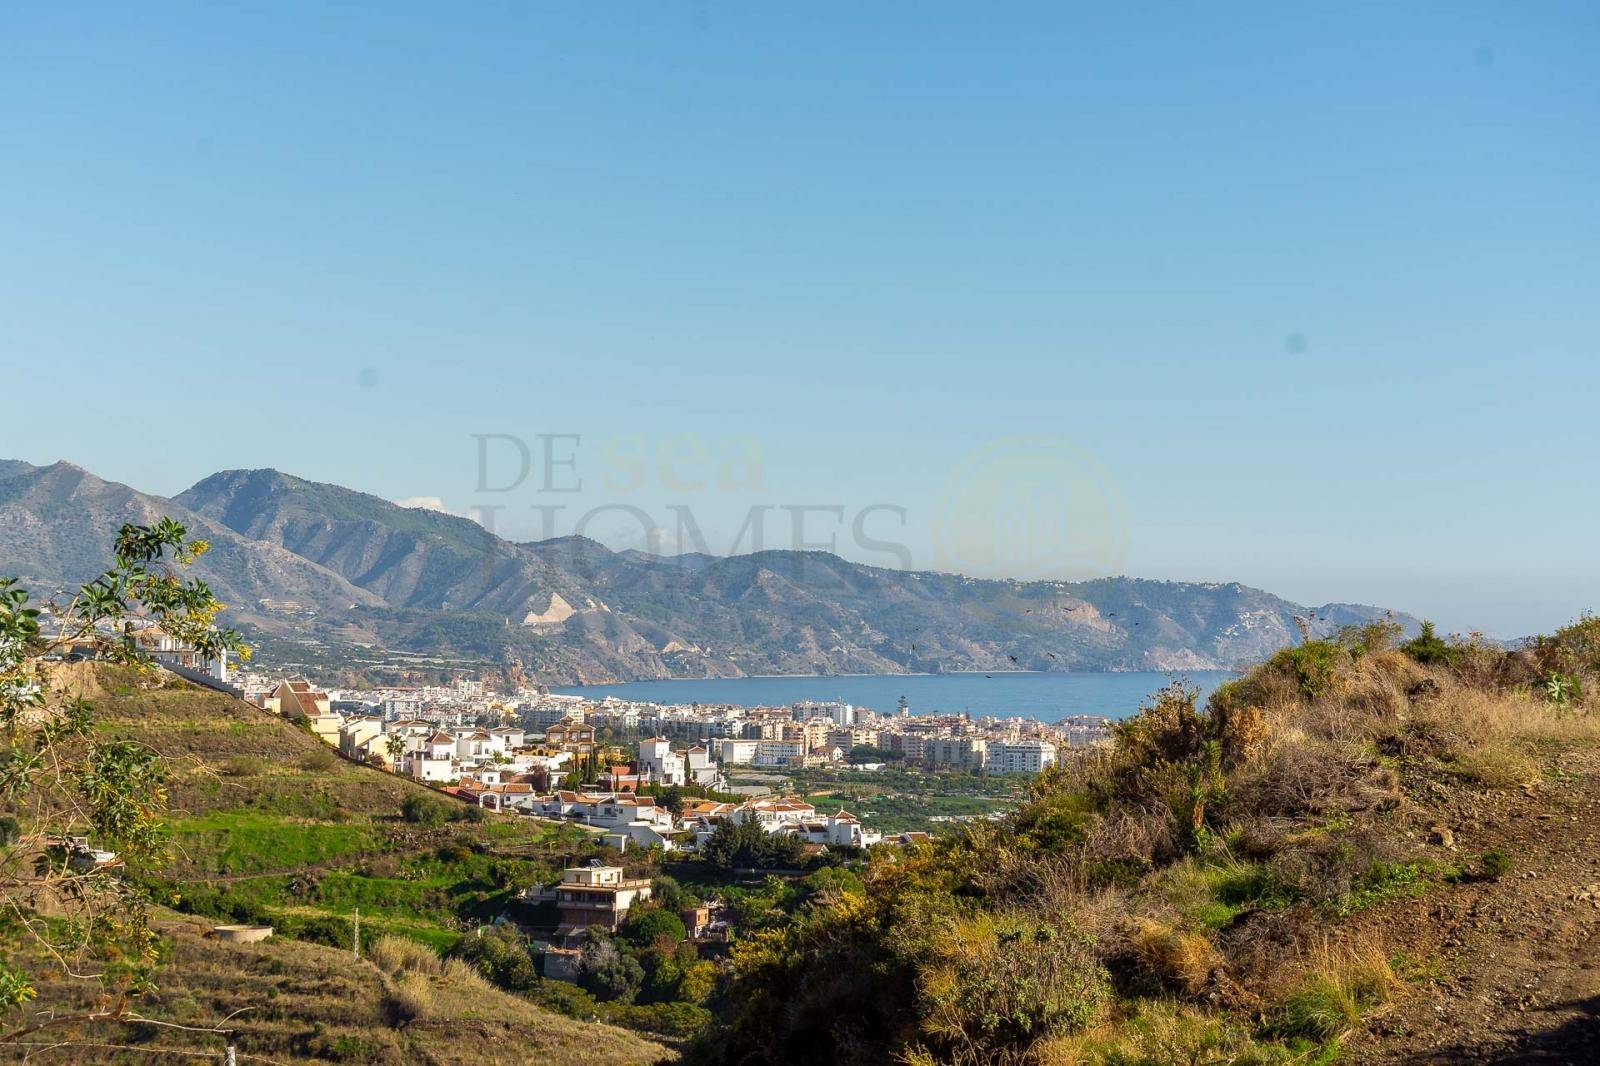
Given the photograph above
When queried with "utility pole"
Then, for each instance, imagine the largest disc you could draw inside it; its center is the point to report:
(355, 936)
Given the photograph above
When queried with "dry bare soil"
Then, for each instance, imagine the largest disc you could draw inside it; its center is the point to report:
(1508, 971)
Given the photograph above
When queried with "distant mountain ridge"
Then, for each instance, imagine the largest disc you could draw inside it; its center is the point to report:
(308, 559)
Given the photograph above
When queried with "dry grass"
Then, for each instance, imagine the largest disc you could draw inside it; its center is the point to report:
(396, 955)
(411, 999)
(460, 974)
(1170, 958)
(1332, 994)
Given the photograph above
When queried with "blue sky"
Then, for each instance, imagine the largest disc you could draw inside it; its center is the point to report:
(1314, 288)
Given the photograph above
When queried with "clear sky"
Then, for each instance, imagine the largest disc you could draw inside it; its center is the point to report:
(1314, 290)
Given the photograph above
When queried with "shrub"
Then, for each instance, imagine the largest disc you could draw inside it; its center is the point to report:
(500, 954)
(606, 971)
(644, 926)
(318, 760)
(424, 811)
(1493, 865)
(1428, 649)
(679, 1020)
(990, 986)
(245, 766)
(454, 852)
(1313, 665)
(327, 929)
(10, 831)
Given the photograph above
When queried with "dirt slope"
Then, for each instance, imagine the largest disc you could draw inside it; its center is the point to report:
(1511, 968)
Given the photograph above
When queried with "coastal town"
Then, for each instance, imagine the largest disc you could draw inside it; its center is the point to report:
(656, 781)
(592, 760)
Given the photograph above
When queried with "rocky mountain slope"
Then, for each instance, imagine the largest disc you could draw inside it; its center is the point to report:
(57, 524)
(298, 557)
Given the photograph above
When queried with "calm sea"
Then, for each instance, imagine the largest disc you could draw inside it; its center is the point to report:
(1047, 697)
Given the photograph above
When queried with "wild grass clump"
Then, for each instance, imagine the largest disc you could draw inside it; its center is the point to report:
(1170, 959)
(989, 986)
(1158, 1032)
(412, 999)
(1329, 1001)
(459, 974)
(396, 955)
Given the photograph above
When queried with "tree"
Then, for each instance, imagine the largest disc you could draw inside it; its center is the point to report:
(643, 927)
(66, 778)
(501, 954)
(746, 845)
(605, 970)
(1427, 647)
(396, 746)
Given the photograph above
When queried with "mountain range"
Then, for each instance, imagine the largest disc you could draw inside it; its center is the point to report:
(309, 561)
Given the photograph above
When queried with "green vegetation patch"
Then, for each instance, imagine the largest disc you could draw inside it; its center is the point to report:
(238, 842)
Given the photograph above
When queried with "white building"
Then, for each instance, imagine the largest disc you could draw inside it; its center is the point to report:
(425, 767)
(736, 752)
(779, 752)
(661, 764)
(840, 714)
(1019, 756)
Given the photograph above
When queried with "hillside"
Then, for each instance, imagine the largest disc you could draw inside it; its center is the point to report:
(57, 524)
(1359, 850)
(306, 561)
(269, 826)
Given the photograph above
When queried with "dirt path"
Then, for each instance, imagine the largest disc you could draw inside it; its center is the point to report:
(1512, 967)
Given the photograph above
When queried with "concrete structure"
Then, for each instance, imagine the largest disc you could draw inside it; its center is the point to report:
(595, 895)
(1020, 757)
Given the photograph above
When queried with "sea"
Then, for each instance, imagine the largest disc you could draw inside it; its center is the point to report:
(1048, 697)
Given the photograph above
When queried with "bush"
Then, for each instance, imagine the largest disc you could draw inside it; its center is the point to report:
(326, 929)
(989, 986)
(500, 954)
(10, 831)
(1428, 649)
(644, 926)
(424, 811)
(679, 1020)
(319, 760)
(245, 766)
(1493, 865)
(454, 852)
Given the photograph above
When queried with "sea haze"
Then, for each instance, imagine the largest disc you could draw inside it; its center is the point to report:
(1046, 696)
